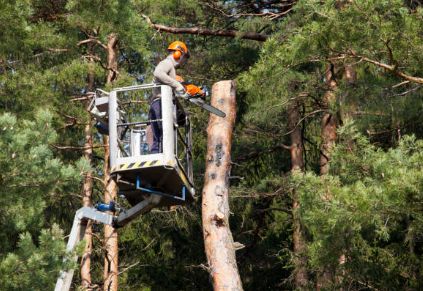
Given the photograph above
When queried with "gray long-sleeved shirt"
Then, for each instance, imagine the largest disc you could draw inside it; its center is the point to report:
(165, 74)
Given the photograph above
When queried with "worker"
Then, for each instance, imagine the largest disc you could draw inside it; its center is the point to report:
(165, 73)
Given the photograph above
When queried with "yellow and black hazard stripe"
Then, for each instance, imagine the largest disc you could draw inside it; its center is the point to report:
(184, 179)
(138, 165)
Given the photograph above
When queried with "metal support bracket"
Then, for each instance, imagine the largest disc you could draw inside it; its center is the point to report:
(160, 193)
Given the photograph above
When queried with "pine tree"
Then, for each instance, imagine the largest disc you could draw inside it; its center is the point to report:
(32, 248)
(369, 195)
(278, 52)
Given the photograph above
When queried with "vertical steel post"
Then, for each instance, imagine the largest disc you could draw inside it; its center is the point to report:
(167, 116)
(135, 143)
(188, 154)
(113, 118)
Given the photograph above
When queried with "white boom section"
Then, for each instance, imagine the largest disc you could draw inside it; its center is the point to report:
(168, 115)
(77, 234)
(143, 207)
(80, 223)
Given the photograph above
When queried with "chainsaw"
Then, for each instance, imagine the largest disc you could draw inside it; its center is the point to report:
(198, 95)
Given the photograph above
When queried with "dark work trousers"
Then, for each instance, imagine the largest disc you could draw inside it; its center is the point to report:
(154, 114)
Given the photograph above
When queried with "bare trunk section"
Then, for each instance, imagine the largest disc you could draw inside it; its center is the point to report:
(329, 122)
(87, 187)
(350, 76)
(112, 57)
(110, 233)
(218, 240)
(297, 161)
(329, 127)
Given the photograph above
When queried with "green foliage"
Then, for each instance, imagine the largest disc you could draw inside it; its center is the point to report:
(366, 210)
(14, 26)
(355, 211)
(30, 177)
(34, 266)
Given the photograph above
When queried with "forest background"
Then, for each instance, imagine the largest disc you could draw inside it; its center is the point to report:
(327, 178)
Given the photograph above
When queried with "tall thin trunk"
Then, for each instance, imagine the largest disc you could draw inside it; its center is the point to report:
(329, 122)
(329, 127)
(112, 57)
(218, 240)
(88, 184)
(297, 163)
(110, 233)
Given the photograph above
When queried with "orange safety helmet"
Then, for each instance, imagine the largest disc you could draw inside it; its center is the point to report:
(179, 49)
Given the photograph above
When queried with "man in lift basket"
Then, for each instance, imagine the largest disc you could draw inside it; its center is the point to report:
(165, 73)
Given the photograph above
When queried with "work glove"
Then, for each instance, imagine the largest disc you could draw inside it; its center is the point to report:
(184, 95)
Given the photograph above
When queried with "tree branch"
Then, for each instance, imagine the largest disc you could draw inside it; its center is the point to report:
(370, 113)
(76, 148)
(257, 8)
(94, 41)
(391, 53)
(392, 69)
(400, 84)
(256, 232)
(266, 14)
(201, 31)
(304, 117)
(73, 122)
(253, 155)
(97, 59)
(80, 99)
(392, 129)
(57, 50)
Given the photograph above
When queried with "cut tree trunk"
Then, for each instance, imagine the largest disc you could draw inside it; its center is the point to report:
(110, 233)
(218, 240)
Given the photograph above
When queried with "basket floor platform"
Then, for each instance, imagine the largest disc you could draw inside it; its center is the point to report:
(168, 181)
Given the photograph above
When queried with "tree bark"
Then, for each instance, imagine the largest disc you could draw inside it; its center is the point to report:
(297, 164)
(329, 122)
(218, 240)
(87, 187)
(204, 31)
(329, 127)
(110, 233)
(112, 57)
